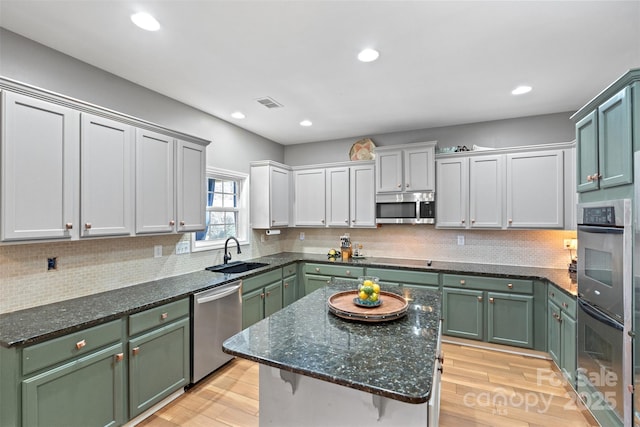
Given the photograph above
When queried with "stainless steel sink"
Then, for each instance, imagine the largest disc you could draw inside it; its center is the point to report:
(236, 267)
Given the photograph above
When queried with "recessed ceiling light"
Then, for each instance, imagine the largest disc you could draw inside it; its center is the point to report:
(306, 123)
(520, 90)
(238, 115)
(368, 55)
(145, 21)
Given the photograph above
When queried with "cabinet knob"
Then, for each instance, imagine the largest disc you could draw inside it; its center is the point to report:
(480, 299)
(262, 295)
(87, 225)
(163, 316)
(589, 178)
(491, 300)
(135, 351)
(172, 223)
(462, 221)
(68, 226)
(565, 305)
(473, 221)
(353, 220)
(510, 286)
(552, 294)
(346, 221)
(80, 344)
(317, 269)
(286, 284)
(273, 221)
(348, 273)
(268, 294)
(119, 357)
(322, 221)
(510, 221)
(399, 185)
(462, 282)
(407, 185)
(181, 222)
(329, 282)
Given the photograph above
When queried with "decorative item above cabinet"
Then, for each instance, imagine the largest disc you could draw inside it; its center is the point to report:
(74, 170)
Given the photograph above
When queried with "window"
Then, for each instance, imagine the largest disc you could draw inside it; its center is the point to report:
(227, 210)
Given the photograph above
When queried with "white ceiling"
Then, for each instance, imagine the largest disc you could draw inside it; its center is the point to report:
(441, 62)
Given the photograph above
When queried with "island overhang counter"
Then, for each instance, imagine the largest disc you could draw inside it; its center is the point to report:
(320, 369)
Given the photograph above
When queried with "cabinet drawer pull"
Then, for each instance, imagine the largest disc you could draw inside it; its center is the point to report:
(480, 299)
(462, 282)
(317, 269)
(135, 351)
(119, 357)
(80, 344)
(163, 316)
(491, 300)
(510, 286)
(172, 223)
(68, 226)
(348, 272)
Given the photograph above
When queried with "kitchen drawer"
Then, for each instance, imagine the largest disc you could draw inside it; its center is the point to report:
(405, 276)
(261, 280)
(79, 343)
(334, 270)
(484, 283)
(158, 316)
(289, 270)
(561, 299)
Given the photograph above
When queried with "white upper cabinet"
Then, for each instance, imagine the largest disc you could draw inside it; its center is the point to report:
(362, 196)
(486, 191)
(39, 155)
(520, 188)
(106, 148)
(407, 167)
(452, 194)
(190, 183)
(270, 194)
(535, 189)
(155, 204)
(337, 196)
(309, 197)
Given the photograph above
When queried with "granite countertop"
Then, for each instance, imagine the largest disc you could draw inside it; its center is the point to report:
(307, 339)
(44, 322)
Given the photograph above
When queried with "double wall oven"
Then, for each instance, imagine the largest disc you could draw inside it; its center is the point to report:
(604, 309)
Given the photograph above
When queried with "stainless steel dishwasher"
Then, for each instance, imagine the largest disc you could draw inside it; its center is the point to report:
(217, 315)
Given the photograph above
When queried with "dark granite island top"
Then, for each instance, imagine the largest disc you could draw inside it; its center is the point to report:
(393, 359)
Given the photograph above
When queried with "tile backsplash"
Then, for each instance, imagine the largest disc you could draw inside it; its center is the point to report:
(92, 266)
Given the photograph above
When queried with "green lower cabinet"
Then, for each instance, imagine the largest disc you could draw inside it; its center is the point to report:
(562, 331)
(554, 345)
(289, 290)
(463, 313)
(88, 391)
(317, 276)
(510, 319)
(158, 365)
(313, 283)
(568, 358)
(261, 303)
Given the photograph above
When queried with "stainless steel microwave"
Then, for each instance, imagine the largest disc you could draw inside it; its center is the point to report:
(406, 208)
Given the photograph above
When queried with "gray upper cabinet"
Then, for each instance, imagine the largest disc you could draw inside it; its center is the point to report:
(106, 148)
(408, 167)
(155, 211)
(39, 155)
(190, 183)
(452, 192)
(309, 197)
(337, 193)
(362, 196)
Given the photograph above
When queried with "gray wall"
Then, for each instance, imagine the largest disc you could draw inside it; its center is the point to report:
(27, 61)
(545, 129)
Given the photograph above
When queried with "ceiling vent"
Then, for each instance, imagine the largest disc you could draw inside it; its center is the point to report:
(269, 102)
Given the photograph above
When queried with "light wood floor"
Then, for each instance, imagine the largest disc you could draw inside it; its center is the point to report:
(479, 388)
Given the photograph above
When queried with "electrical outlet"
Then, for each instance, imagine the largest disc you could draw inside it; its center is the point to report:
(302, 235)
(262, 238)
(157, 251)
(460, 240)
(570, 243)
(182, 248)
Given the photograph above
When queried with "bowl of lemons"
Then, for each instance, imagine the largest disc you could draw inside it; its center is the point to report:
(368, 292)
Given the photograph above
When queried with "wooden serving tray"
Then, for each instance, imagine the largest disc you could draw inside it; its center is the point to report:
(392, 307)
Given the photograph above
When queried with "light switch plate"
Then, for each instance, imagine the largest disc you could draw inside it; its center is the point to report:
(460, 240)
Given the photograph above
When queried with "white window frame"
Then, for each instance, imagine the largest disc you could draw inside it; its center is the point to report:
(243, 210)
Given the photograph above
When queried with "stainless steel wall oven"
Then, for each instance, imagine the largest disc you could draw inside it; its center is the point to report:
(604, 309)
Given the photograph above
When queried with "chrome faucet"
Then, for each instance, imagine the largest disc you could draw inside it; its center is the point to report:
(227, 255)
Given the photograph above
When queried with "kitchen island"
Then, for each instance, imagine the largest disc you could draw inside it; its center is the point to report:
(320, 369)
